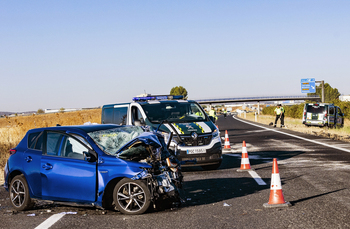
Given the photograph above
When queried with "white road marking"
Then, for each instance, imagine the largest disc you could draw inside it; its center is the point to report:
(254, 175)
(295, 136)
(50, 221)
(257, 178)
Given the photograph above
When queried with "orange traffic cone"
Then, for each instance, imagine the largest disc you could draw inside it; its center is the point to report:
(276, 194)
(227, 142)
(245, 165)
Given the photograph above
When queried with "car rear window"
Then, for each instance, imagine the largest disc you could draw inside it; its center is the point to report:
(315, 109)
(35, 141)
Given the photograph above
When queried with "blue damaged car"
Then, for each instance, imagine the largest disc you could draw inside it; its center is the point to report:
(113, 167)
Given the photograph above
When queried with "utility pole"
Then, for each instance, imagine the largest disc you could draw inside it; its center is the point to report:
(322, 85)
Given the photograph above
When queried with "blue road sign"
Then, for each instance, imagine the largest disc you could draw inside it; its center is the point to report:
(308, 85)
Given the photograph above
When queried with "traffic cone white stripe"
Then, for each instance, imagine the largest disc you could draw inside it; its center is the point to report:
(227, 142)
(245, 165)
(275, 182)
(276, 195)
(245, 161)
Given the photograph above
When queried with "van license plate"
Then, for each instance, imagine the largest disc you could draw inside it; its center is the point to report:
(196, 151)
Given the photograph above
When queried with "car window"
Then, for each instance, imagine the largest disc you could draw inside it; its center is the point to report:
(72, 148)
(339, 111)
(315, 109)
(120, 114)
(62, 145)
(53, 142)
(35, 141)
(136, 115)
(174, 112)
(107, 115)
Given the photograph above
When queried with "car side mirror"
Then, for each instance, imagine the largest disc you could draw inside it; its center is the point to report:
(90, 156)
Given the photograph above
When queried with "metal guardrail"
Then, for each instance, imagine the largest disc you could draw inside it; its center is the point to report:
(257, 99)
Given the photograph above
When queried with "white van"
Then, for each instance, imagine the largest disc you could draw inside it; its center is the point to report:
(195, 136)
(323, 114)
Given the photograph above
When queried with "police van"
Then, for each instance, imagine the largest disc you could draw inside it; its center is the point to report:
(323, 114)
(194, 135)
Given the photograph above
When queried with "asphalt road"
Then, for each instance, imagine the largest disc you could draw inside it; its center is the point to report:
(314, 174)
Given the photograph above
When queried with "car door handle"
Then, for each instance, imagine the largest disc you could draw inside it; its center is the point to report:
(47, 166)
(28, 159)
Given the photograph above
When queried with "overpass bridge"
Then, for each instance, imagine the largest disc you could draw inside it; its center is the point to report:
(257, 99)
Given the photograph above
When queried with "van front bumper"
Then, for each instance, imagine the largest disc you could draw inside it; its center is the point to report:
(204, 155)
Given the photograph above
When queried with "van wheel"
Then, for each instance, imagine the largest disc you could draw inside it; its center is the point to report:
(19, 193)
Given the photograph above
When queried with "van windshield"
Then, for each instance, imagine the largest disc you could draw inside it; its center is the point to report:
(174, 112)
(315, 109)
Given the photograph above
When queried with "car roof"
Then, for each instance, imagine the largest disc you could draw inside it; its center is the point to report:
(79, 128)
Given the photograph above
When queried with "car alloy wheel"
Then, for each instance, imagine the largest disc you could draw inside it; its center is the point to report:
(131, 196)
(19, 194)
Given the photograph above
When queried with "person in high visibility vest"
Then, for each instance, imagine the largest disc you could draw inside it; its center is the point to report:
(279, 112)
(212, 113)
(225, 113)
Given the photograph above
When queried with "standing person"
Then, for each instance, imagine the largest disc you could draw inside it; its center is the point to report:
(212, 113)
(225, 113)
(279, 112)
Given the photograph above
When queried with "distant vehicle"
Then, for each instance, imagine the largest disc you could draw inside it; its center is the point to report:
(195, 136)
(323, 114)
(110, 166)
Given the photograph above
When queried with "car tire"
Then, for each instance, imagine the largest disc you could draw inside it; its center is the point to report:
(131, 197)
(19, 193)
(211, 167)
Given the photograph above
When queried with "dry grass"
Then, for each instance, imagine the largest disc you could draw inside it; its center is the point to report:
(342, 134)
(13, 129)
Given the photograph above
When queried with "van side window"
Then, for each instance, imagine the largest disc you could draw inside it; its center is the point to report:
(339, 111)
(120, 114)
(107, 115)
(331, 110)
(136, 115)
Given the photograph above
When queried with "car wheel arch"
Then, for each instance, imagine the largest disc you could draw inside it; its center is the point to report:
(107, 199)
(13, 174)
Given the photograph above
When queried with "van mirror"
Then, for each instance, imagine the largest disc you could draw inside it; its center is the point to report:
(140, 122)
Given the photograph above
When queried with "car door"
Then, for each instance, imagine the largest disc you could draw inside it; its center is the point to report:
(65, 175)
(331, 115)
(339, 118)
(32, 162)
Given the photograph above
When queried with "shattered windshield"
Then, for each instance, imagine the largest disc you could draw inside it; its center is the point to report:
(174, 112)
(111, 140)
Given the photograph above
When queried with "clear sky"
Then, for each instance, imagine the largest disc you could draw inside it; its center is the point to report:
(75, 54)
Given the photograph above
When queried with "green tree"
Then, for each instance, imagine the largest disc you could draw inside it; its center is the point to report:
(179, 90)
(330, 93)
(40, 111)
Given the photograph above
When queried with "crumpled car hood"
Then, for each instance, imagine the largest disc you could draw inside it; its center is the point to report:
(146, 138)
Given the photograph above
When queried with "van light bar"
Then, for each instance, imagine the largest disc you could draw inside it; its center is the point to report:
(158, 97)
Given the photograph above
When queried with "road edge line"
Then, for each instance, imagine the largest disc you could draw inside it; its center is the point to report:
(295, 136)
